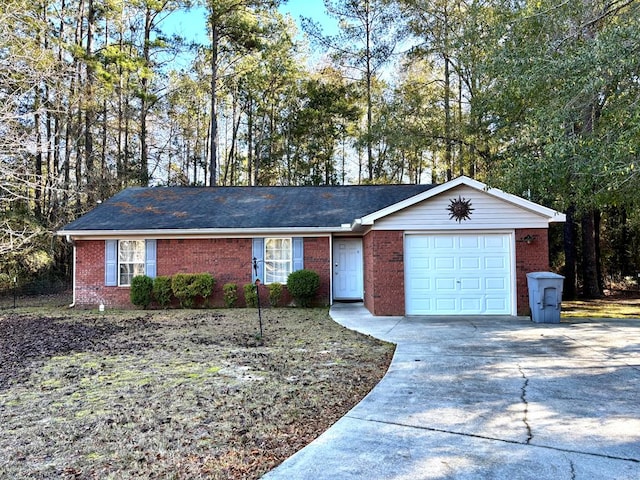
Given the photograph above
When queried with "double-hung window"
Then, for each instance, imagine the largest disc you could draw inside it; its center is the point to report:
(278, 259)
(131, 260)
(124, 259)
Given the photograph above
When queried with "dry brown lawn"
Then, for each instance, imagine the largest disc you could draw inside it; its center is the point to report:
(173, 394)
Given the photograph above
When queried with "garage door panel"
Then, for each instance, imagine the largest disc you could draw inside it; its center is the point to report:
(495, 241)
(470, 284)
(444, 263)
(469, 263)
(444, 304)
(469, 242)
(445, 285)
(495, 263)
(494, 283)
(422, 286)
(493, 304)
(464, 274)
(471, 304)
(446, 242)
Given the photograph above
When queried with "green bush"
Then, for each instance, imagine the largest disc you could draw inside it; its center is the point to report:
(275, 294)
(303, 285)
(230, 294)
(140, 291)
(162, 291)
(188, 286)
(202, 286)
(251, 295)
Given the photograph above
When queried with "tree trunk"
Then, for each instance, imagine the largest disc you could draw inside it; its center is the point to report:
(570, 254)
(89, 116)
(369, 75)
(597, 217)
(213, 168)
(590, 283)
(250, 179)
(144, 102)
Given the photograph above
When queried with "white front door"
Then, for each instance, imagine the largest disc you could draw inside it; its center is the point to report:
(347, 269)
(458, 274)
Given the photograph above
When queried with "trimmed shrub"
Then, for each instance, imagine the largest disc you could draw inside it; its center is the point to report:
(140, 291)
(162, 291)
(303, 285)
(275, 294)
(251, 295)
(188, 286)
(180, 287)
(230, 294)
(202, 286)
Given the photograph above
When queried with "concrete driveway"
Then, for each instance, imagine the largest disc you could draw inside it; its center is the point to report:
(479, 398)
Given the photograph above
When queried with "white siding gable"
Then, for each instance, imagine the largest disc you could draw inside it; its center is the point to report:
(489, 212)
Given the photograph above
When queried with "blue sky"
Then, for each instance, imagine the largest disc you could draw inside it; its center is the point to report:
(309, 8)
(191, 25)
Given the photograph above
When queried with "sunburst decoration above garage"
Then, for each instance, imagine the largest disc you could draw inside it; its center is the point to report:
(459, 209)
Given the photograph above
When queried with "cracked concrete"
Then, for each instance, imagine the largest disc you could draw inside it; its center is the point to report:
(500, 398)
(573, 470)
(523, 397)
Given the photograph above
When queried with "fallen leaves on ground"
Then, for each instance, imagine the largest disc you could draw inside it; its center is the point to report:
(174, 394)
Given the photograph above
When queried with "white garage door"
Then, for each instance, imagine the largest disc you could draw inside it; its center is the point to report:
(458, 274)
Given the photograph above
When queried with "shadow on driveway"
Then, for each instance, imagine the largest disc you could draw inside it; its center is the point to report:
(488, 397)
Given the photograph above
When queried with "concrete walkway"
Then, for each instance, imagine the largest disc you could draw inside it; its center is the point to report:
(477, 398)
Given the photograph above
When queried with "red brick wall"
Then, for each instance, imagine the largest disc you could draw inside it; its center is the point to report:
(89, 279)
(384, 272)
(227, 259)
(532, 257)
(317, 258)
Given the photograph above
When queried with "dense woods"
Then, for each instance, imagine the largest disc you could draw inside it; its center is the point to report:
(541, 99)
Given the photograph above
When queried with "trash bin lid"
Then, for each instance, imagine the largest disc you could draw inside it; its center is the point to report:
(539, 275)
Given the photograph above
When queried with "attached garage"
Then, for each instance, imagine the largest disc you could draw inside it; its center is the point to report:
(459, 274)
(460, 248)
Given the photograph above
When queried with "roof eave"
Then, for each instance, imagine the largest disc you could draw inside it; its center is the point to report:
(199, 232)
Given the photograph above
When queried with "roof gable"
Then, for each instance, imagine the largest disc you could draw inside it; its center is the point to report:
(548, 214)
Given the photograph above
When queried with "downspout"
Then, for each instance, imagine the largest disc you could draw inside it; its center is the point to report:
(73, 281)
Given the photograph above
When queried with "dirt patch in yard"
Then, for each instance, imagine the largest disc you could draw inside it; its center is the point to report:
(177, 394)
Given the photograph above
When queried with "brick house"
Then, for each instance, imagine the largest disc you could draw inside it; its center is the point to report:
(458, 248)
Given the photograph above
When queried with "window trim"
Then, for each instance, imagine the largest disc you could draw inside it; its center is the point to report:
(120, 263)
(111, 260)
(288, 262)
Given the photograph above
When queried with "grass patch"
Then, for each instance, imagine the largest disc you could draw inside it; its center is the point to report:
(607, 307)
(177, 394)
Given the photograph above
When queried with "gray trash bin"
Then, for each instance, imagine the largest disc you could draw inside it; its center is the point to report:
(545, 296)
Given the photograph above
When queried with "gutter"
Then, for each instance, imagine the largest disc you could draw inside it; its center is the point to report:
(202, 232)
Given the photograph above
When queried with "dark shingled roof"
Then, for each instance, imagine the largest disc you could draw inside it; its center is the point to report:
(163, 208)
